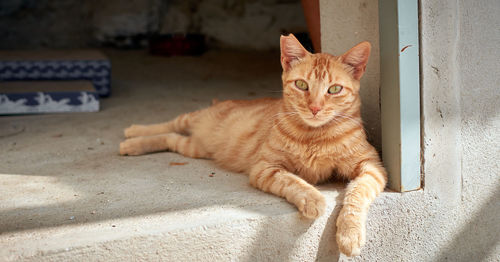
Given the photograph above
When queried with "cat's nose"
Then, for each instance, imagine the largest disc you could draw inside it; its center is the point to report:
(314, 109)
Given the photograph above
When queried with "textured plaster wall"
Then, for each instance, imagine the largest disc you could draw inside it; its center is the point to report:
(461, 109)
(250, 24)
(479, 64)
(455, 216)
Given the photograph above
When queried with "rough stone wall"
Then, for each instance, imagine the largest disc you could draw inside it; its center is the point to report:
(113, 18)
(55, 23)
(250, 24)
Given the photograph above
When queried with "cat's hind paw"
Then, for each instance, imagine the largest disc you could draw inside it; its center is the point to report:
(350, 233)
(131, 147)
(134, 131)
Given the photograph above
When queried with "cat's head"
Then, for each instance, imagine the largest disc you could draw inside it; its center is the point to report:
(321, 87)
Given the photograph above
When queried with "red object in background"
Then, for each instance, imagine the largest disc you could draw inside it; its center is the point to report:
(177, 44)
(311, 13)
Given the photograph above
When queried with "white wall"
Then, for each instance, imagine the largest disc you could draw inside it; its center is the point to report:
(455, 217)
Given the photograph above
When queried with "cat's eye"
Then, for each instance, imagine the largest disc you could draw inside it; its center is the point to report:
(335, 89)
(301, 84)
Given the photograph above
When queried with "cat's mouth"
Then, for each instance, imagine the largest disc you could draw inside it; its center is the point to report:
(315, 121)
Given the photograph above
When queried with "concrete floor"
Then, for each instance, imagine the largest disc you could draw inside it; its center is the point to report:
(65, 193)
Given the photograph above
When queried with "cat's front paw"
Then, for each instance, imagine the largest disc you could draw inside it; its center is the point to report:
(134, 131)
(131, 147)
(311, 204)
(350, 232)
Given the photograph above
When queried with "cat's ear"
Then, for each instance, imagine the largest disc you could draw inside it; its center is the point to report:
(291, 51)
(357, 57)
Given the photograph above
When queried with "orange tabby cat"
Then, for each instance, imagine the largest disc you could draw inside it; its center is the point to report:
(287, 145)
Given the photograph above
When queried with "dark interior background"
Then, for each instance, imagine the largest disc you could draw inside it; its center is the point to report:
(240, 24)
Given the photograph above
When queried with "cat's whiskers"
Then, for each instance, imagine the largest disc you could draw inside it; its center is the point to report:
(356, 121)
(283, 113)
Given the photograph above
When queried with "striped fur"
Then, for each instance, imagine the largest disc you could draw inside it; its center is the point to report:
(281, 144)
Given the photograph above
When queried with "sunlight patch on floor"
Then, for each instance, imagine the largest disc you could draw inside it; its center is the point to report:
(28, 191)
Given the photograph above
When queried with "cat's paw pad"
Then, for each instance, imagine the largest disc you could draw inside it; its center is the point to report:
(350, 233)
(133, 131)
(131, 147)
(312, 204)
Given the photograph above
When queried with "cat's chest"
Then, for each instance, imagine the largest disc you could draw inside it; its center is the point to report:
(313, 165)
(312, 160)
